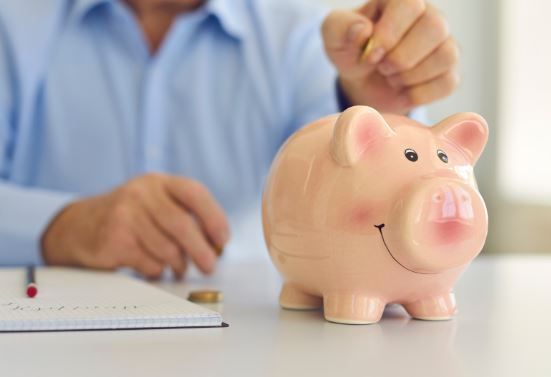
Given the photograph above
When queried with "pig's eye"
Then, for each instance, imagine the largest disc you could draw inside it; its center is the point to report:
(411, 155)
(442, 155)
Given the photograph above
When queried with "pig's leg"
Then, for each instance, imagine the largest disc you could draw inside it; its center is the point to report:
(292, 297)
(352, 308)
(433, 308)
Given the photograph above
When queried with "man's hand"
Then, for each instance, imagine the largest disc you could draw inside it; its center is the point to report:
(148, 223)
(411, 59)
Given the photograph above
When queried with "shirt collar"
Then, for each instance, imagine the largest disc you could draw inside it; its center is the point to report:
(229, 13)
(81, 8)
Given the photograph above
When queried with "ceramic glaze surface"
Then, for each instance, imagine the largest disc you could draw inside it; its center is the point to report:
(361, 210)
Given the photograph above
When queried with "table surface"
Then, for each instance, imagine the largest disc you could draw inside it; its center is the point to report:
(503, 328)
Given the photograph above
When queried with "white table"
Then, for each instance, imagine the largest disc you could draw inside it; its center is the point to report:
(503, 328)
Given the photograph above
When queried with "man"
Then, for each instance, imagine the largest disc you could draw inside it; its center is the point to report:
(129, 129)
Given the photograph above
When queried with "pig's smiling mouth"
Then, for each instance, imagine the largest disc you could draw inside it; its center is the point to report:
(380, 227)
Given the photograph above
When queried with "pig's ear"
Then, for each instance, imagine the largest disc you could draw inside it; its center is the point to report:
(356, 129)
(468, 131)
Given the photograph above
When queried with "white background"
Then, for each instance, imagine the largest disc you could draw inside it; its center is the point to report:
(525, 101)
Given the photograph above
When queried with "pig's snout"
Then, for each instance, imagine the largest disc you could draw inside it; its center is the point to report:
(436, 226)
(451, 203)
(451, 217)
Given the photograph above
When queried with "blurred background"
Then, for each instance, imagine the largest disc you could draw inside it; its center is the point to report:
(506, 77)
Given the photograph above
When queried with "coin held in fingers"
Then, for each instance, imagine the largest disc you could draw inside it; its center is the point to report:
(219, 250)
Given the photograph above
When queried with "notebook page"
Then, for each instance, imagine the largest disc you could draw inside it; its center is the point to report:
(81, 299)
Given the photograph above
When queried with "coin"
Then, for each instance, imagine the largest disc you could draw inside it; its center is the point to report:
(367, 50)
(219, 251)
(205, 296)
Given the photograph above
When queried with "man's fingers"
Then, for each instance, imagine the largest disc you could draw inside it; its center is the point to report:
(149, 267)
(442, 60)
(159, 245)
(142, 262)
(345, 34)
(198, 248)
(185, 265)
(372, 9)
(429, 32)
(198, 200)
(440, 87)
(397, 17)
(343, 29)
(182, 227)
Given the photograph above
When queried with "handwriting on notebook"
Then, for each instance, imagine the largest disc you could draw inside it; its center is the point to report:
(14, 306)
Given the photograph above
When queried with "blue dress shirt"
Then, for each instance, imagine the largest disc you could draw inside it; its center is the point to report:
(84, 106)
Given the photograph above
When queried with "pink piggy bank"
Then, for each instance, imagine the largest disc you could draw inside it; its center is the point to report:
(361, 210)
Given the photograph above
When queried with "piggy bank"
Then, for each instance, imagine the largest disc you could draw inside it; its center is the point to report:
(361, 210)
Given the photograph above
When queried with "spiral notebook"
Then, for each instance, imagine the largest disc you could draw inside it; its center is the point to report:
(72, 299)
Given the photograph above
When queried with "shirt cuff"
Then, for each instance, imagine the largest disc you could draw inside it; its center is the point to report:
(342, 100)
(24, 216)
(419, 114)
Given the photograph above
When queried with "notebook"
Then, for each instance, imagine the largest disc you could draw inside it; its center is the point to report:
(72, 299)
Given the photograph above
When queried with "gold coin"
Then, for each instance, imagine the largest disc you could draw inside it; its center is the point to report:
(205, 296)
(219, 251)
(367, 50)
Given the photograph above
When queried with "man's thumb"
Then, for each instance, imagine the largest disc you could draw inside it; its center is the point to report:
(344, 29)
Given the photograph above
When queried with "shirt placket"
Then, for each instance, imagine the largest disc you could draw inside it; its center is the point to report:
(153, 118)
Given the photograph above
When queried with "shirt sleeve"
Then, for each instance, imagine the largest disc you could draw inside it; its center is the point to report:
(24, 212)
(311, 89)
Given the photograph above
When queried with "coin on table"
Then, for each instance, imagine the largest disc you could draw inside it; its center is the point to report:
(219, 251)
(205, 296)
